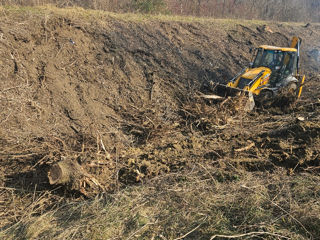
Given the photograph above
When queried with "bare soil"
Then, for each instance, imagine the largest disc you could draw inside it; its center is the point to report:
(119, 96)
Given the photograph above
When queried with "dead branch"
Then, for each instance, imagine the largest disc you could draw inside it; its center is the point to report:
(249, 234)
(245, 148)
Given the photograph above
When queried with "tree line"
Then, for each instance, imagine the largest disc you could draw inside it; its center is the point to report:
(276, 10)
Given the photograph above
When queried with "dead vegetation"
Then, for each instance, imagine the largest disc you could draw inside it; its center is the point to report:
(205, 202)
(103, 136)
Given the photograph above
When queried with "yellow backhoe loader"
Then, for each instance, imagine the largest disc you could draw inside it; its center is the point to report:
(274, 70)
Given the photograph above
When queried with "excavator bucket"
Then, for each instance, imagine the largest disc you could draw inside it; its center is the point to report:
(226, 91)
(220, 92)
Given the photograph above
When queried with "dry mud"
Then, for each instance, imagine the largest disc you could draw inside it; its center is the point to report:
(120, 97)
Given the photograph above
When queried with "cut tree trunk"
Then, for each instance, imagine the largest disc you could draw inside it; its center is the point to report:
(71, 174)
(64, 172)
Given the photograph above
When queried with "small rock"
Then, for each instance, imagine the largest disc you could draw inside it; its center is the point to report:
(300, 119)
(307, 25)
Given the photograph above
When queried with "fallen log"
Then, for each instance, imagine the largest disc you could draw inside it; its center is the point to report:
(65, 171)
(70, 173)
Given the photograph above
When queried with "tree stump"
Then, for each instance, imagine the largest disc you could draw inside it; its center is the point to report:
(71, 174)
(65, 172)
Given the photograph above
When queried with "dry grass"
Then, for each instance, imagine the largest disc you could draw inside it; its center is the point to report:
(136, 17)
(197, 204)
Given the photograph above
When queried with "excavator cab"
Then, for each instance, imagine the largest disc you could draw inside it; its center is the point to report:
(282, 62)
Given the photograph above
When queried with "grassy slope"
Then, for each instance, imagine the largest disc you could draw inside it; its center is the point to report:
(198, 203)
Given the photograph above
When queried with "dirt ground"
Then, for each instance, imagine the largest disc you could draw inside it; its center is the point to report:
(119, 95)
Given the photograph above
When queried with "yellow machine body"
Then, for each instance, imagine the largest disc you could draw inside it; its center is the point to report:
(249, 75)
(255, 79)
(274, 70)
